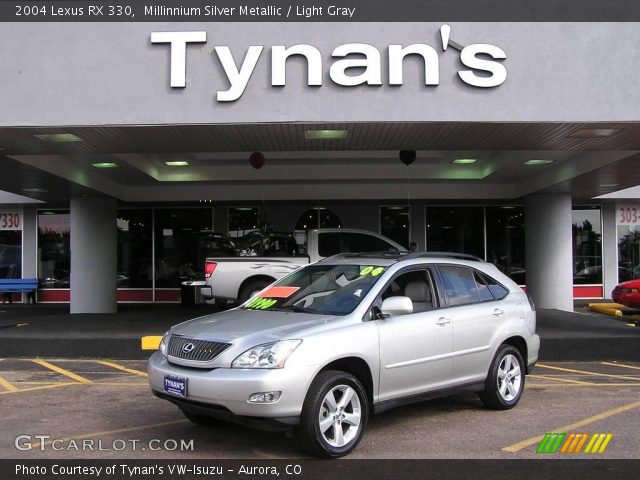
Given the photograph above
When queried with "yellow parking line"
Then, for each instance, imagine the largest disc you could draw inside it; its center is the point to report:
(620, 365)
(122, 384)
(516, 447)
(566, 380)
(7, 385)
(62, 371)
(586, 372)
(586, 385)
(32, 389)
(124, 369)
(114, 432)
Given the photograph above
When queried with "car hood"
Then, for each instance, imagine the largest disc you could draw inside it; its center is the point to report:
(629, 284)
(237, 323)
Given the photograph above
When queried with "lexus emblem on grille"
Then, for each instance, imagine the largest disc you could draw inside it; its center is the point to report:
(188, 347)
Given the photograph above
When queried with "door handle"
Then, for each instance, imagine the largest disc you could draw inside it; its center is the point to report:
(443, 321)
(498, 312)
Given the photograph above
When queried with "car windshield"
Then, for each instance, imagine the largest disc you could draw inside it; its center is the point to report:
(319, 289)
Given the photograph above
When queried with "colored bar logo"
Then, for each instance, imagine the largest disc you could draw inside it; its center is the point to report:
(574, 443)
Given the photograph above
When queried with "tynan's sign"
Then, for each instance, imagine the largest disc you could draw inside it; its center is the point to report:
(483, 62)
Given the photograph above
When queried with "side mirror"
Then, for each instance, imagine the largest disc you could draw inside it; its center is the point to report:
(396, 306)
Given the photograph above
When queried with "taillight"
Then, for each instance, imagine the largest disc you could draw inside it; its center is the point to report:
(209, 268)
(531, 304)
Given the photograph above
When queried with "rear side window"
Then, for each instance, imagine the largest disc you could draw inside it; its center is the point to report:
(483, 289)
(497, 290)
(332, 243)
(460, 285)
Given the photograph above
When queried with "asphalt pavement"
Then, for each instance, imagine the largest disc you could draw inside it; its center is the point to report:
(58, 408)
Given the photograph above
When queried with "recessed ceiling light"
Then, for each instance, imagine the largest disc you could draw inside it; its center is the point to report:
(465, 161)
(325, 134)
(47, 213)
(35, 190)
(609, 185)
(105, 165)
(594, 132)
(59, 137)
(538, 162)
(177, 164)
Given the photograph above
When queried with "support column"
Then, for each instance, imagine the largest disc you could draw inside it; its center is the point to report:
(609, 249)
(93, 255)
(29, 243)
(549, 255)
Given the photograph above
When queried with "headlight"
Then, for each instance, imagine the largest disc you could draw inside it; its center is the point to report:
(267, 355)
(164, 343)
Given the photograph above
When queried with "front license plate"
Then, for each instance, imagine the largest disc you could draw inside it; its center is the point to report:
(175, 385)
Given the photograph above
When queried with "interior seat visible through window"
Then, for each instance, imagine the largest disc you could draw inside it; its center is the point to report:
(420, 295)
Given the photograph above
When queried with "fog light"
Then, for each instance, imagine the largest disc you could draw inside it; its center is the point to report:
(265, 397)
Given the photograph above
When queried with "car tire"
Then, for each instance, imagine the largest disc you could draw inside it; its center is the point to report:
(250, 288)
(505, 380)
(202, 420)
(332, 428)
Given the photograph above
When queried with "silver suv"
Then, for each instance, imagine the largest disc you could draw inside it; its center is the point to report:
(325, 347)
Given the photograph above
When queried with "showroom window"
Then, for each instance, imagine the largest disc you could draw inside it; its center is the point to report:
(135, 248)
(587, 245)
(455, 229)
(332, 243)
(242, 221)
(628, 228)
(54, 252)
(505, 240)
(179, 249)
(10, 244)
(395, 223)
(318, 217)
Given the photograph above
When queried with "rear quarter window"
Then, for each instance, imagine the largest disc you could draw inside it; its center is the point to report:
(497, 290)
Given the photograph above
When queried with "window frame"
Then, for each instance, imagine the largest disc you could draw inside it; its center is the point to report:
(435, 290)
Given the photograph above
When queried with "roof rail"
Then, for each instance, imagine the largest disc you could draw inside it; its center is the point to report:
(456, 255)
(379, 254)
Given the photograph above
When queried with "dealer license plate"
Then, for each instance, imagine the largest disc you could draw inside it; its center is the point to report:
(175, 385)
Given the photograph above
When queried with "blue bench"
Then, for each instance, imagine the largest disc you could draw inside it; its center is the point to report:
(8, 286)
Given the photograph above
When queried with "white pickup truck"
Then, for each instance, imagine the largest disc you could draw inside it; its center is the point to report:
(239, 278)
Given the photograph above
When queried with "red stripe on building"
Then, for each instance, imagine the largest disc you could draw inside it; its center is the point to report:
(588, 291)
(127, 295)
(172, 295)
(54, 295)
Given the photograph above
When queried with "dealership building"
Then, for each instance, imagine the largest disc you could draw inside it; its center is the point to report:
(121, 144)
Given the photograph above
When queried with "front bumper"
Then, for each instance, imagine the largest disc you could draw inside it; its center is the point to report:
(228, 389)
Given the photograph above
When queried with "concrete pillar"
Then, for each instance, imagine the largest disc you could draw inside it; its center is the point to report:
(549, 255)
(609, 249)
(29, 243)
(93, 255)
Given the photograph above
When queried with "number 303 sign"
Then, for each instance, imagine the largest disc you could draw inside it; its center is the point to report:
(10, 220)
(628, 214)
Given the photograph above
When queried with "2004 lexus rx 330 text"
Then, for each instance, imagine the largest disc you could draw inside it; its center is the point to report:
(332, 343)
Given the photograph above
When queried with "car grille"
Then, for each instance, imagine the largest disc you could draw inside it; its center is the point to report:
(202, 351)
